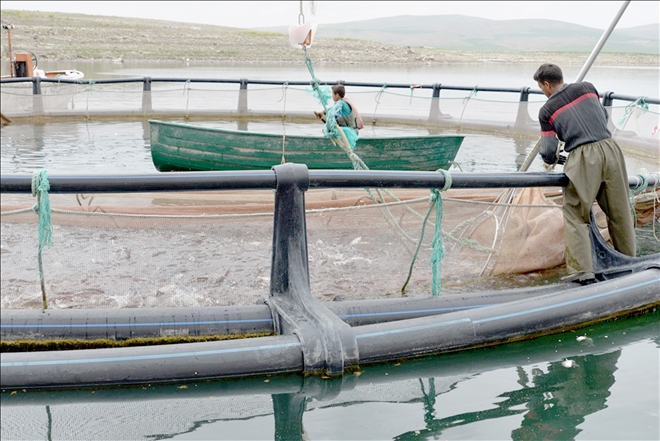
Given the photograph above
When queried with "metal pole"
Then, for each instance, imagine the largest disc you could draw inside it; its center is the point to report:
(532, 155)
(601, 43)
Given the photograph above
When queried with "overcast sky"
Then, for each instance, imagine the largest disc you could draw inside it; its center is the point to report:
(248, 14)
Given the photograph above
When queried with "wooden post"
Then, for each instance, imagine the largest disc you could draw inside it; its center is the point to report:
(9, 27)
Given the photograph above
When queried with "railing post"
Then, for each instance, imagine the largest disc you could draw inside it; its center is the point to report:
(607, 99)
(523, 118)
(37, 97)
(146, 96)
(434, 112)
(36, 85)
(328, 344)
(242, 97)
(607, 103)
(290, 230)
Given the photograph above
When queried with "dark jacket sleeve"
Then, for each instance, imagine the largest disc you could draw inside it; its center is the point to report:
(549, 142)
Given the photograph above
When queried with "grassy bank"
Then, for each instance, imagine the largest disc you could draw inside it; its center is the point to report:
(59, 36)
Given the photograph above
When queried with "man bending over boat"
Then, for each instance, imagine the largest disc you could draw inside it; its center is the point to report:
(346, 114)
(595, 168)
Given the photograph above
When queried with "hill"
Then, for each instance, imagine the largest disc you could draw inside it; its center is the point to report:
(458, 32)
(60, 36)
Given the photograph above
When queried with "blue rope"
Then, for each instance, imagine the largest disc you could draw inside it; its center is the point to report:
(641, 188)
(40, 187)
(331, 129)
(438, 242)
(638, 103)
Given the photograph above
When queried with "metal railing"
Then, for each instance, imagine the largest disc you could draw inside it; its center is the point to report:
(522, 118)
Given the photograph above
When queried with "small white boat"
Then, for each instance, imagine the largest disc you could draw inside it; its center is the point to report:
(69, 74)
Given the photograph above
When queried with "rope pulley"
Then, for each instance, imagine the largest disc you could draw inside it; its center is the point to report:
(303, 33)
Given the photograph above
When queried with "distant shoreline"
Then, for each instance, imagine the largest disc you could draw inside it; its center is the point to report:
(63, 37)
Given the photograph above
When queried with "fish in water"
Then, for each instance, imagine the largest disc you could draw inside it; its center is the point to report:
(586, 340)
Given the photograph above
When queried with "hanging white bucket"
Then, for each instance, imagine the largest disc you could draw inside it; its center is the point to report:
(302, 34)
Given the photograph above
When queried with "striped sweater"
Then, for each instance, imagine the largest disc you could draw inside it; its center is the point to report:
(573, 115)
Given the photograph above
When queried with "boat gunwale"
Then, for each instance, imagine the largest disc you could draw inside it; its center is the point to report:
(275, 135)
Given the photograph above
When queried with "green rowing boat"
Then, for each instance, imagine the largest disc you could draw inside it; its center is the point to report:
(183, 147)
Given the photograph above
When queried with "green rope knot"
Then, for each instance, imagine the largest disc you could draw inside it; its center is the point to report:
(644, 184)
(186, 87)
(40, 187)
(412, 90)
(377, 99)
(638, 103)
(472, 94)
(438, 254)
(380, 92)
(285, 86)
(438, 242)
(331, 129)
(638, 189)
(448, 179)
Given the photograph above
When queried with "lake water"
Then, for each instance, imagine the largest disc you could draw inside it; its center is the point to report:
(109, 147)
(519, 391)
(123, 147)
(522, 391)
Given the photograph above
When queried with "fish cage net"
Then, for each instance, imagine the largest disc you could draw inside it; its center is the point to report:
(634, 122)
(215, 248)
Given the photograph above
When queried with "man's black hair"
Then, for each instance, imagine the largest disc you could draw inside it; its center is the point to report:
(550, 73)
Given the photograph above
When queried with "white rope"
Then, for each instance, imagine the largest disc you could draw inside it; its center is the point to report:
(378, 205)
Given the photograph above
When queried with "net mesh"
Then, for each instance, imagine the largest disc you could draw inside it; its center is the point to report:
(635, 122)
(214, 248)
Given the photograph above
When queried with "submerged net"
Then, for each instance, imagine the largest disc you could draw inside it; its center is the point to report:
(214, 248)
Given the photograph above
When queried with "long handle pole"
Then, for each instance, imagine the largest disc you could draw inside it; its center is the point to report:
(601, 43)
(590, 61)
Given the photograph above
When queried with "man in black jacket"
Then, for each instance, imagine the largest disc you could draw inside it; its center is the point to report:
(595, 168)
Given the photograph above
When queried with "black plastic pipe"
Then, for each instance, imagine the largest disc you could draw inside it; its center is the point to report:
(435, 87)
(517, 320)
(265, 179)
(125, 323)
(465, 364)
(146, 364)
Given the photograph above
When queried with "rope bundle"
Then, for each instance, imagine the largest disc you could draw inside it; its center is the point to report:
(40, 188)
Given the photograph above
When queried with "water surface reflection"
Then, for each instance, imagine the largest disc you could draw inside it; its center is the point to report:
(123, 147)
(518, 391)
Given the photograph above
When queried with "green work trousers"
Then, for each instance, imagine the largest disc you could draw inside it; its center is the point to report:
(596, 171)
